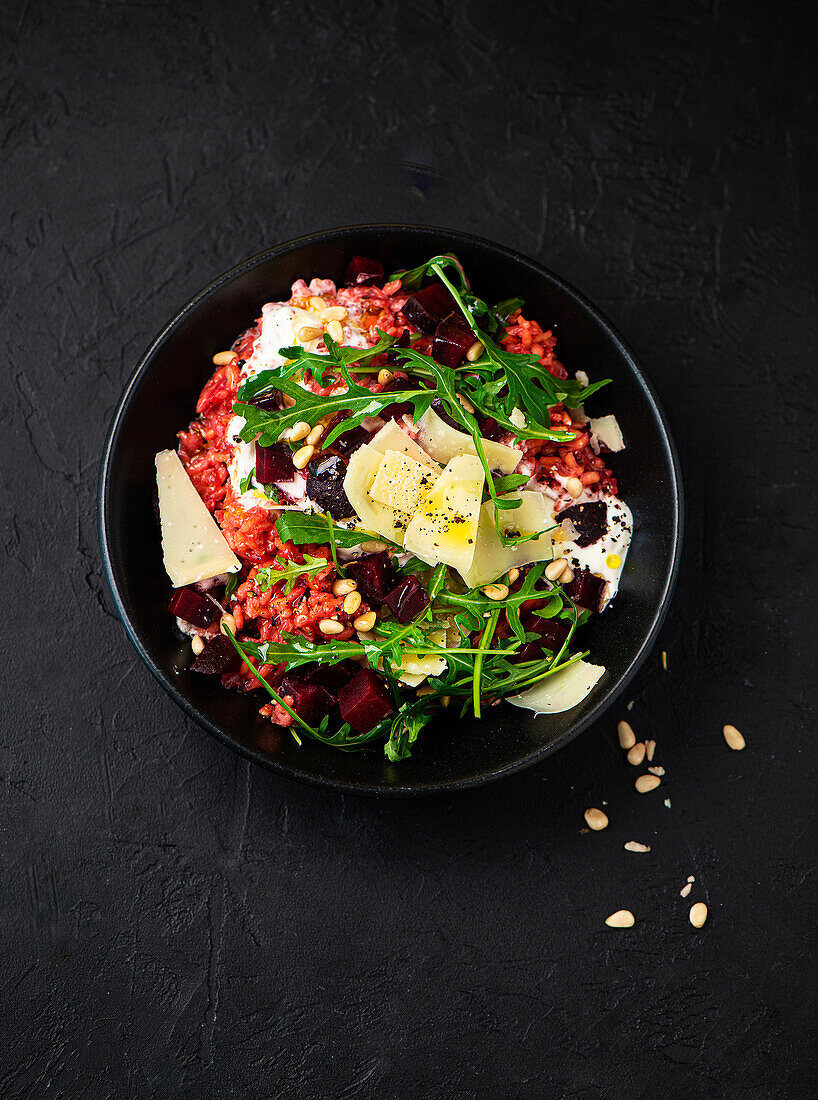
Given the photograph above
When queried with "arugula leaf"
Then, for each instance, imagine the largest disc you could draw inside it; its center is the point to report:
(289, 572)
(411, 279)
(232, 583)
(318, 529)
(246, 482)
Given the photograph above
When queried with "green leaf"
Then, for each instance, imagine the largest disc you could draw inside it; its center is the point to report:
(289, 572)
(317, 528)
(246, 482)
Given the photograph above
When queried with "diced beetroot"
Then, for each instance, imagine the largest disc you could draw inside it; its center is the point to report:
(553, 633)
(310, 701)
(407, 600)
(490, 429)
(430, 305)
(399, 385)
(364, 701)
(267, 401)
(589, 519)
(375, 575)
(453, 338)
(193, 607)
(348, 442)
(331, 677)
(586, 589)
(217, 657)
(440, 411)
(274, 463)
(325, 486)
(402, 341)
(364, 271)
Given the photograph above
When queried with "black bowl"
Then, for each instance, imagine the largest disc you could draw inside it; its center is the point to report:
(160, 399)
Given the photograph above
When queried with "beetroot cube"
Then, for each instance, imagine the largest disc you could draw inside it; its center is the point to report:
(217, 657)
(364, 701)
(193, 607)
(439, 410)
(310, 701)
(364, 271)
(586, 589)
(274, 463)
(407, 600)
(331, 677)
(429, 306)
(348, 442)
(553, 633)
(375, 575)
(398, 385)
(453, 338)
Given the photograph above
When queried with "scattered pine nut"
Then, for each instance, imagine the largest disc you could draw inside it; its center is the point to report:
(637, 754)
(314, 438)
(330, 626)
(656, 769)
(300, 430)
(629, 705)
(685, 890)
(555, 570)
(365, 622)
(691, 878)
(596, 819)
(664, 660)
(464, 401)
(425, 689)
(627, 738)
(287, 401)
(227, 622)
(317, 303)
(513, 574)
(474, 352)
(622, 918)
(336, 313)
(574, 487)
(343, 587)
(635, 846)
(197, 644)
(374, 546)
(650, 749)
(698, 914)
(307, 333)
(445, 700)
(667, 803)
(222, 358)
(567, 575)
(302, 457)
(385, 376)
(733, 738)
(352, 602)
(496, 591)
(647, 783)
(335, 330)
(365, 636)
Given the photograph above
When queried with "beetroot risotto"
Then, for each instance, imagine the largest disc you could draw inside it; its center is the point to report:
(392, 501)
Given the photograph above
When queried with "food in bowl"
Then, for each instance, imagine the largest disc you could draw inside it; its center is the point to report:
(391, 502)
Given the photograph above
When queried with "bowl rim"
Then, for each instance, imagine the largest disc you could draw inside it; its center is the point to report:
(398, 790)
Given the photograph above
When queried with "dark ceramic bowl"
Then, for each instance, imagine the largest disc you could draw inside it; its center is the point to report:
(160, 399)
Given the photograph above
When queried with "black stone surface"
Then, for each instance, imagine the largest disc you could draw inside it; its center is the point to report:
(178, 924)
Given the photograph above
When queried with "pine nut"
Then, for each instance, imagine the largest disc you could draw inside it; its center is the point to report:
(627, 738)
(650, 749)
(637, 753)
(496, 591)
(317, 303)
(227, 622)
(664, 659)
(698, 914)
(474, 352)
(574, 487)
(315, 435)
(685, 890)
(307, 333)
(336, 313)
(343, 587)
(647, 783)
(374, 546)
(733, 738)
(555, 570)
(620, 919)
(656, 769)
(335, 330)
(352, 602)
(385, 376)
(300, 430)
(302, 457)
(635, 846)
(197, 644)
(513, 574)
(365, 622)
(330, 626)
(464, 401)
(425, 689)
(596, 819)
(222, 358)
(365, 636)
(445, 700)
(287, 401)
(567, 575)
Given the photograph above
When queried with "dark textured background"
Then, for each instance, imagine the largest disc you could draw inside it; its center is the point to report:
(176, 923)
